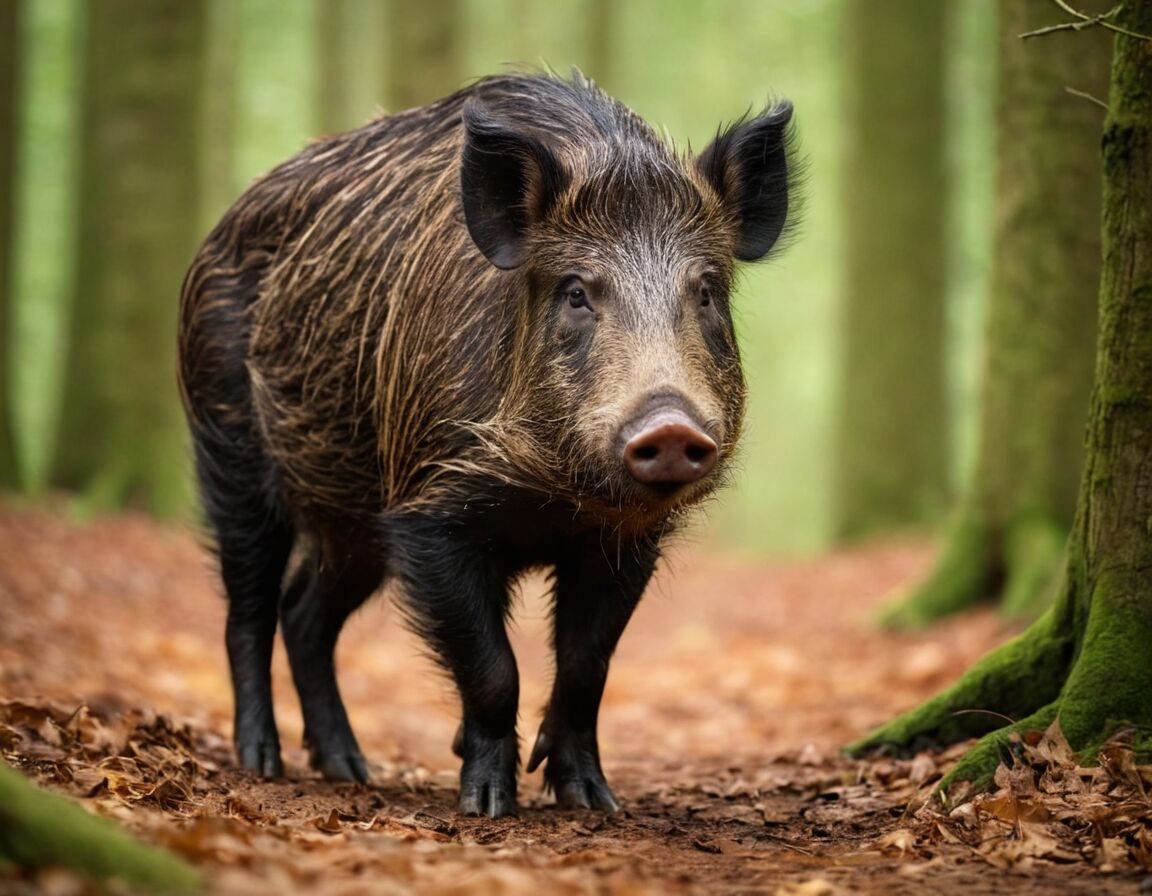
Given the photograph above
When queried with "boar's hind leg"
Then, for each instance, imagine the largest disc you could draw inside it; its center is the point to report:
(253, 546)
(457, 600)
(597, 588)
(314, 608)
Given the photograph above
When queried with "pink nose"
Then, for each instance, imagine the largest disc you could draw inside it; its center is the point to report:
(669, 450)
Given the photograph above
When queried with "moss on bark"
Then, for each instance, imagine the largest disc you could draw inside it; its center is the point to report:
(1088, 661)
(39, 829)
(1009, 683)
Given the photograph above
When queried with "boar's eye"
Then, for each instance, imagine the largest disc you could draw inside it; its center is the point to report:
(577, 297)
(576, 294)
(710, 289)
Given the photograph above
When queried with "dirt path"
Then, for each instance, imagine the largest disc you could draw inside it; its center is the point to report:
(730, 694)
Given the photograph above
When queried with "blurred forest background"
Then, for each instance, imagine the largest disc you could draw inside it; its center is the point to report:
(133, 124)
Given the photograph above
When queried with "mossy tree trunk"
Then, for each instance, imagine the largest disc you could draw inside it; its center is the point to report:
(891, 467)
(424, 53)
(122, 435)
(1088, 660)
(1007, 538)
(9, 104)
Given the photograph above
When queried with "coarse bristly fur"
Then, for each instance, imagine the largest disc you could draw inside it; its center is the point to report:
(412, 350)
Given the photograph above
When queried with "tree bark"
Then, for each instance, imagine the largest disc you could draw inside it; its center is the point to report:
(1087, 662)
(1007, 538)
(890, 467)
(424, 54)
(9, 119)
(122, 434)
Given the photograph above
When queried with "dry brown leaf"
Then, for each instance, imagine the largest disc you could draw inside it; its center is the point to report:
(923, 769)
(1111, 854)
(817, 886)
(9, 737)
(1020, 779)
(330, 824)
(238, 807)
(1052, 749)
(220, 840)
(899, 841)
(1008, 807)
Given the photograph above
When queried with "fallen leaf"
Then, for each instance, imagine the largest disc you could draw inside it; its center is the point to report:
(329, 825)
(899, 841)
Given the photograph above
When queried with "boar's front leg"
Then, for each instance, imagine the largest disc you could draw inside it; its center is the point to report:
(597, 587)
(458, 600)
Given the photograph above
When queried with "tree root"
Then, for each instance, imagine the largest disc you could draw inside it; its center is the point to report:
(1019, 564)
(1034, 555)
(1085, 663)
(964, 575)
(1008, 683)
(40, 829)
(979, 764)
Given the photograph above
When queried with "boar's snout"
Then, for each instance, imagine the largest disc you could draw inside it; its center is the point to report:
(664, 448)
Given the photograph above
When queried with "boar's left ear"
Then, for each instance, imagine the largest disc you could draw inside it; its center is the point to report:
(749, 166)
(508, 181)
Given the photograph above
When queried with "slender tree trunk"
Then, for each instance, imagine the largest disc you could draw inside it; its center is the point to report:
(334, 68)
(351, 64)
(424, 52)
(9, 117)
(122, 436)
(1008, 536)
(891, 466)
(602, 43)
(1087, 662)
(218, 102)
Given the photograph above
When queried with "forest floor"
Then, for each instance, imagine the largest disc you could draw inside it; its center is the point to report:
(730, 695)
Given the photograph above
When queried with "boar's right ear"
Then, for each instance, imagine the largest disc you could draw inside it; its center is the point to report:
(508, 181)
(749, 166)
